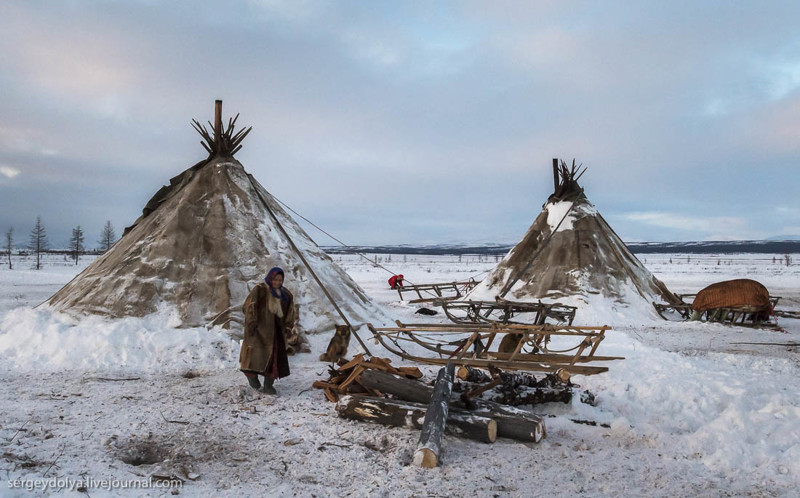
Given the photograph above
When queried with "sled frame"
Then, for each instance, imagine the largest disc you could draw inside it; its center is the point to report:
(438, 291)
(503, 312)
(741, 316)
(470, 345)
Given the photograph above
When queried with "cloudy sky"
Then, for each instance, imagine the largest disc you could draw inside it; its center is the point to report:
(410, 122)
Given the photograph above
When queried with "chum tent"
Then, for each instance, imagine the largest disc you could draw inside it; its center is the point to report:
(571, 254)
(203, 242)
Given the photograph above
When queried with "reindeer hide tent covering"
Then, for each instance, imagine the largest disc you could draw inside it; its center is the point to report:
(732, 294)
(199, 247)
(570, 251)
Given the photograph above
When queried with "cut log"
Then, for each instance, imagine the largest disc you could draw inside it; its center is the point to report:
(530, 396)
(512, 395)
(397, 413)
(430, 439)
(512, 423)
(406, 389)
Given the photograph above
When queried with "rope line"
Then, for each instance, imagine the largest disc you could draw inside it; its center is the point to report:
(345, 245)
(310, 269)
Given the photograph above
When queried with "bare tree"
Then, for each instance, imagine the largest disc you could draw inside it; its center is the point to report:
(76, 243)
(9, 245)
(38, 241)
(108, 237)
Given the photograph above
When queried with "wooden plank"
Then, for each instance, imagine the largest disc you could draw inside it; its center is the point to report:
(505, 328)
(515, 365)
(549, 357)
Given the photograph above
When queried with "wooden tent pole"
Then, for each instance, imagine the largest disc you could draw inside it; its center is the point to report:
(218, 126)
(305, 262)
(555, 174)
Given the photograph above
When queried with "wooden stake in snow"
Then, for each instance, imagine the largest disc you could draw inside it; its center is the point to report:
(430, 441)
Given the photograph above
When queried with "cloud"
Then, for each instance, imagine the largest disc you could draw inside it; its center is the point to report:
(8, 171)
(454, 108)
(720, 224)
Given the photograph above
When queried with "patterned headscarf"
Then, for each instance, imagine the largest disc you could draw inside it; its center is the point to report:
(270, 276)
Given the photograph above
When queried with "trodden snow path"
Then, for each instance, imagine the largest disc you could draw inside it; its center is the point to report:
(688, 412)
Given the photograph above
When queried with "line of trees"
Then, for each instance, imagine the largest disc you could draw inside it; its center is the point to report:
(38, 242)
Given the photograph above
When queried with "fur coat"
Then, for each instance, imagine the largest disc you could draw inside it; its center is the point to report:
(263, 321)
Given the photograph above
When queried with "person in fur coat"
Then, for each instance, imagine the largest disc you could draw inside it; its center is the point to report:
(269, 323)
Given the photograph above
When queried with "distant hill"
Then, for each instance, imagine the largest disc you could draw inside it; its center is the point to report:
(705, 247)
(434, 249)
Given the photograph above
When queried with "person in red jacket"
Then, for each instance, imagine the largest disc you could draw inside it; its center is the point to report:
(396, 281)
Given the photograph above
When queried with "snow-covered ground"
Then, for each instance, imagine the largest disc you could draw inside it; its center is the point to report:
(689, 412)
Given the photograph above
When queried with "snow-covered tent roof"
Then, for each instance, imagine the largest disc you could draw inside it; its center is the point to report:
(571, 254)
(201, 244)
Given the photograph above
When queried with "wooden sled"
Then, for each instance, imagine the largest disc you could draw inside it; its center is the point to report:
(542, 348)
(435, 292)
(742, 316)
(501, 311)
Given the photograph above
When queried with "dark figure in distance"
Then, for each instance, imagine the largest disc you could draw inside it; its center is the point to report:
(396, 281)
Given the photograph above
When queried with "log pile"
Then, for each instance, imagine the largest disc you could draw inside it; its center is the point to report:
(375, 391)
(345, 378)
(512, 422)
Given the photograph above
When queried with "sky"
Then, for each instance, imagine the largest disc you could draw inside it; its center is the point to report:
(409, 122)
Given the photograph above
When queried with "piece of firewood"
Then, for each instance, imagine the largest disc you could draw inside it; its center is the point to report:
(430, 440)
(332, 396)
(342, 388)
(469, 374)
(410, 372)
(396, 413)
(350, 364)
(318, 384)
